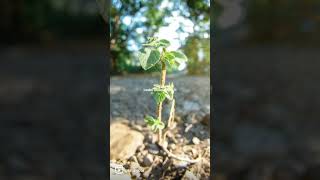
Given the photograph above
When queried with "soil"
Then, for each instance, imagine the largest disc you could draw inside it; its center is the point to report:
(154, 163)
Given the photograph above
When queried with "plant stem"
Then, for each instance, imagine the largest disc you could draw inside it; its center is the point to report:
(162, 83)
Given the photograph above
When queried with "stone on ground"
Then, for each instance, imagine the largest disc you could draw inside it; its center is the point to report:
(123, 141)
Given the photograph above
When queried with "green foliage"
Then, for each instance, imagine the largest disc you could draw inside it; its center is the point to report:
(157, 43)
(155, 50)
(161, 93)
(121, 34)
(179, 56)
(154, 123)
(148, 57)
(154, 55)
(193, 48)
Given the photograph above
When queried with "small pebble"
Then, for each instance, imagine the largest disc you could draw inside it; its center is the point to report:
(141, 147)
(146, 174)
(144, 152)
(172, 146)
(147, 160)
(195, 140)
(133, 158)
(189, 176)
(194, 151)
(137, 127)
(180, 164)
(135, 169)
(188, 128)
(153, 149)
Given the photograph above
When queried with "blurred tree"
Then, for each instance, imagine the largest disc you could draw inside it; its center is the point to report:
(196, 11)
(134, 20)
(198, 52)
(122, 33)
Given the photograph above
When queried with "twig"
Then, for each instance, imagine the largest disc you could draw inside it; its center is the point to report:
(171, 117)
(170, 154)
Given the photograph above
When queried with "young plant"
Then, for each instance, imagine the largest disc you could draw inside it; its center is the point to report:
(155, 53)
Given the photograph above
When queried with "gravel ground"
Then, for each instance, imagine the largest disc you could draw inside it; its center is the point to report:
(130, 101)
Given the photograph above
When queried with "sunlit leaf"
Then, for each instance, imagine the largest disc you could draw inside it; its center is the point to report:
(148, 57)
(159, 96)
(179, 56)
(163, 43)
(154, 123)
(157, 43)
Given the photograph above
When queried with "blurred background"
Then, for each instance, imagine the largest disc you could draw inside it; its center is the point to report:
(53, 90)
(266, 89)
(185, 23)
(53, 81)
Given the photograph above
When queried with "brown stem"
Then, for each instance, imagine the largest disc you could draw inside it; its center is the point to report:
(159, 109)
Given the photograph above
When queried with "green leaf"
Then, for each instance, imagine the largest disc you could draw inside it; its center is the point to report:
(170, 59)
(156, 43)
(179, 56)
(154, 123)
(148, 57)
(161, 93)
(170, 91)
(172, 63)
(163, 43)
(159, 96)
(149, 120)
(168, 56)
(152, 39)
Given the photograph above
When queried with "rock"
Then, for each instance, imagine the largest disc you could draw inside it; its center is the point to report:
(117, 171)
(188, 128)
(116, 113)
(207, 108)
(191, 106)
(180, 164)
(194, 152)
(146, 174)
(206, 120)
(153, 149)
(123, 141)
(208, 141)
(114, 89)
(147, 160)
(189, 176)
(195, 140)
(141, 148)
(251, 140)
(172, 146)
(136, 169)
